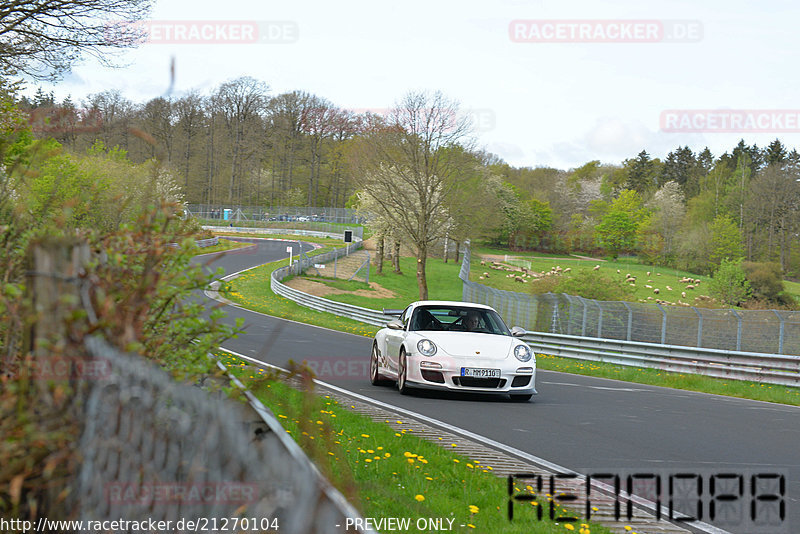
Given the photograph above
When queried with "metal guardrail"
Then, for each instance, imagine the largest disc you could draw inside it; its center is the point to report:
(732, 365)
(364, 315)
(202, 243)
(280, 231)
(727, 364)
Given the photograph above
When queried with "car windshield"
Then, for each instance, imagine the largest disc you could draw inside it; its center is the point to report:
(458, 319)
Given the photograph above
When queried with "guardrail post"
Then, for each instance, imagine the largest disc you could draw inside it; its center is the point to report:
(738, 330)
(780, 337)
(699, 327)
(583, 321)
(663, 324)
(599, 319)
(630, 320)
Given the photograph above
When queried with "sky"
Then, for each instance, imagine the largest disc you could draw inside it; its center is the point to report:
(547, 83)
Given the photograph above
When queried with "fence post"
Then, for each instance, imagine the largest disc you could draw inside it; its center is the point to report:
(55, 265)
(630, 320)
(738, 330)
(699, 327)
(663, 324)
(780, 337)
(599, 319)
(583, 322)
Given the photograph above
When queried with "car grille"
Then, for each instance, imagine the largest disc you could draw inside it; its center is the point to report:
(472, 382)
(520, 381)
(433, 376)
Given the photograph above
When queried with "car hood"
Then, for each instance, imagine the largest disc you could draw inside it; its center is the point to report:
(468, 344)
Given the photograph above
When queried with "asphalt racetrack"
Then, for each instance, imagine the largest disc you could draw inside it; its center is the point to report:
(589, 425)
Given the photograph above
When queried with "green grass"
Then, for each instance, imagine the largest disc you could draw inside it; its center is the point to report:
(443, 284)
(393, 473)
(660, 277)
(689, 382)
(223, 245)
(252, 291)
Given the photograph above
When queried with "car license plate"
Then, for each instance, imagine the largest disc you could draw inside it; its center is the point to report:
(480, 373)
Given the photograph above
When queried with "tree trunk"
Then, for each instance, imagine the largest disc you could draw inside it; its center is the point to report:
(381, 250)
(456, 242)
(396, 258)
(445, 248)
(422, 281)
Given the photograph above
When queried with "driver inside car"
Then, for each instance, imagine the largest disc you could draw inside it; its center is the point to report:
(472, 321)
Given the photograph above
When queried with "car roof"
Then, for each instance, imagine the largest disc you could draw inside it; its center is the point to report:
(450, 303)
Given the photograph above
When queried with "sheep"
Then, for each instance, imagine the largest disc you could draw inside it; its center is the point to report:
(483, 262)
(683, 294)
(568, 270)
(658, 274)
(690, 286)
(518, 279)
(656, 291)
(648, 273)
(485, 274)
(618, 271)
(669, 288)
(648, 286)
(596, 268)
(480, 278)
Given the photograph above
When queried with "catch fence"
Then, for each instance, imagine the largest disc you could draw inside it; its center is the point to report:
(155, 449)
(760, 331)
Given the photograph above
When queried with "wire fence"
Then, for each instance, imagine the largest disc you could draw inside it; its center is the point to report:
(765, 331)
(275, 213)
(352, 266)
(157, 450)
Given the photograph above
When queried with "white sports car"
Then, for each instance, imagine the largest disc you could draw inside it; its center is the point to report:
(454, 346)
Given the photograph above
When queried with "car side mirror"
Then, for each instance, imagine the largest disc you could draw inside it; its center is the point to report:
(395, 324)
(517, 331)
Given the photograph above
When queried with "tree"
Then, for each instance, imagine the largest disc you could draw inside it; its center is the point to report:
(617, 230)
(240, 102)
(726, 240)
(641, 173)
(729, 283)
(42, 39)
(409, 169)
(668, 212)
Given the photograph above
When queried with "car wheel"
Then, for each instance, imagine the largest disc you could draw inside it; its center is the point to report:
(375, 377)
(521, 398)
(402, 375)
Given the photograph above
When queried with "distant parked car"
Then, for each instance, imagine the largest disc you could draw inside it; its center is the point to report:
(453, 346)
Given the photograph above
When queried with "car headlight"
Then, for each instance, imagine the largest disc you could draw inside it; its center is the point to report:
(426, 347)
(523, 353)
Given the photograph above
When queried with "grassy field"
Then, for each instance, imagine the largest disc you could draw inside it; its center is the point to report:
(222, 246)
(443, 284)
(252, 291)
(659, 277)
(386, 472)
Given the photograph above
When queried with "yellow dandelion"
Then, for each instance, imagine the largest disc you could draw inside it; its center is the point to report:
(420, 498)
(473, 509)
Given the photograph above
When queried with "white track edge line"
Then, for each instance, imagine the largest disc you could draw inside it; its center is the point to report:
(698, 525)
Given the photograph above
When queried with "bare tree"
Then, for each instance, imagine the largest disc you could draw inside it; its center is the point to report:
(241, 102)
(43, 38)
(409, 167)
(191, 119)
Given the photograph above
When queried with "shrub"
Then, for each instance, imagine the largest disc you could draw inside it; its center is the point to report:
(593, 285)
(766, 281)
(729, 284)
